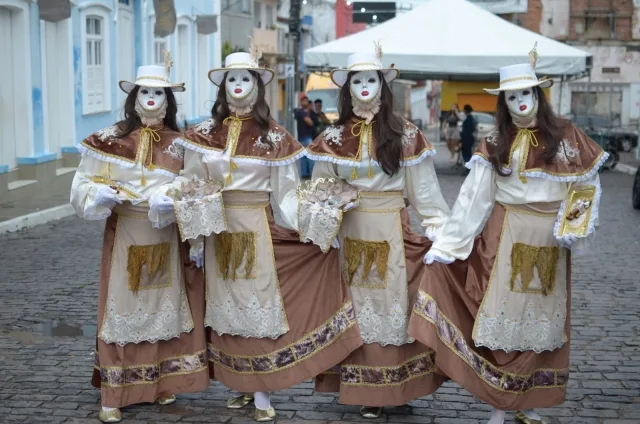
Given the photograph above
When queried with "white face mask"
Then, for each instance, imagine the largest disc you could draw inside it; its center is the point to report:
(239, 84)
(365, 85)
(521, 102)
(151, 99)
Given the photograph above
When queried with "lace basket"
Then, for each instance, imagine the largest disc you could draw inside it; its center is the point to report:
(321, 204)
(199, 208)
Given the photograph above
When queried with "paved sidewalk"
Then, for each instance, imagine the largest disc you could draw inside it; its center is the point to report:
(48, 281)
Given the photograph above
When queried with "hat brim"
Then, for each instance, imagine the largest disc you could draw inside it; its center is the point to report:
(217, 75)
(127, 86)
(339, 76)
(543, 83)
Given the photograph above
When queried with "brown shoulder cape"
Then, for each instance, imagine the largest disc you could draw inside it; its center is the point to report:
(342, 144)
(163, 155)
(578, 157)
(249, 146)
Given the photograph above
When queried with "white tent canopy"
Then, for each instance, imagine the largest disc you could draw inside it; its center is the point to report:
(451, 39)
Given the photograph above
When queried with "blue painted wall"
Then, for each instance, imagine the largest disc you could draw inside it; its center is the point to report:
(87, 124)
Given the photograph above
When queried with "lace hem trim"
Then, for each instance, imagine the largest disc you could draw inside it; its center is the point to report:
(386, 329)
(142, 326)
(251, 321)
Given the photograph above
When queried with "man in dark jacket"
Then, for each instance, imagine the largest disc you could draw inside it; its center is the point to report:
(468, 134)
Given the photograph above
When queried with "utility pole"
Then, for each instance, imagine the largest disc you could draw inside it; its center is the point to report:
(294, 32)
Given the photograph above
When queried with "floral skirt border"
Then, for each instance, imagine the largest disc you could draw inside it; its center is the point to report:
(288, 356)
(426, 307)
(394, 375)
(151, 373)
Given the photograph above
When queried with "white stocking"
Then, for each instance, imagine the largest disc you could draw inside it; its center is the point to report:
(497, 417)
(107, 409)
(530, 413)
(262, 400)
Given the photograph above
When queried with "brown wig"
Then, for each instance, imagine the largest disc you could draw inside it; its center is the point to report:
(388, 130)
(132, 122)
(550, 131)
(260, 113)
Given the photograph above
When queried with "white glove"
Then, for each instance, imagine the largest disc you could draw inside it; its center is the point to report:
(106, 196)
(161, 204)
(335, 243)
(196, 252)
(349, 206)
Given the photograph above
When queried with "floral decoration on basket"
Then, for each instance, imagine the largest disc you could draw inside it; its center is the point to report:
(322, 201)
(198, 206)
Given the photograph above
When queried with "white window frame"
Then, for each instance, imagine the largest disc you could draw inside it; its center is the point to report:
(105, 22)
(269, 17)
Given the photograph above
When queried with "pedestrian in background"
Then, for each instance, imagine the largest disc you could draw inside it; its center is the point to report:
(323, 121)
(306, 132)
(451, 130)
(468, 134)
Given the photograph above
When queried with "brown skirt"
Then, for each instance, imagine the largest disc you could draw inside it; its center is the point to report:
(143, 372)
(443, 317)
(323, 329)
(376, 375)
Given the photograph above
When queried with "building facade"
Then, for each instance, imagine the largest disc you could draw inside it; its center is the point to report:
(66, 85)
(610, 31)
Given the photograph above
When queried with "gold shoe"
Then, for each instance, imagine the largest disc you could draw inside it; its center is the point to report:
(371, 411)
(265, 415)
(166, 400)
(240, 401)
(113, 416)
(520, 416)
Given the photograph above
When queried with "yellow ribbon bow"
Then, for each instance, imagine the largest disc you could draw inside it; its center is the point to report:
(363, 129)
(235, 125)
(527, 138)
(147, 137)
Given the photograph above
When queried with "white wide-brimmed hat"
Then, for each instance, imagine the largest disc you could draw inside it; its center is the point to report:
(153, 76)
(364, 62)
(242, 61)
(520, 76)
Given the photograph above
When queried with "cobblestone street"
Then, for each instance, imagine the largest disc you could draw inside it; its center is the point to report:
(48, 296)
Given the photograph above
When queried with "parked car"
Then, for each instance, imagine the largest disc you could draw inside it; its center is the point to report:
(486, 122)
(635, 193)
(599, 129)
(622, 138)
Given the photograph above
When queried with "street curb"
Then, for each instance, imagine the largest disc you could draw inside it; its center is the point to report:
(626, 169)
(36, 218)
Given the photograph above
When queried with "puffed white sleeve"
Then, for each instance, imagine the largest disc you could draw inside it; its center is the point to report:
(84, 191)
(578, 234)
(322, 169)
(425, 196)
(469, 214)
(284, 184)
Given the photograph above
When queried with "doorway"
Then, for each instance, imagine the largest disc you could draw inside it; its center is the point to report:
(58, 85)
(8, 134)
(183, 62)
(126, 54)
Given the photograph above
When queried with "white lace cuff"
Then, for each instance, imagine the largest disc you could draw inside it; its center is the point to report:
(201, 217)
(318, 224)
(321, 204)
(434, 255)
(577, 218)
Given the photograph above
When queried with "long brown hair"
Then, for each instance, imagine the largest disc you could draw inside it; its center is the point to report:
(388, 129)
(260, 113)
(550, 128)
(132, 122)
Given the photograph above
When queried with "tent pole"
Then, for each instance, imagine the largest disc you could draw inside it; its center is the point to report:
(560, 97)
(588, 96)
